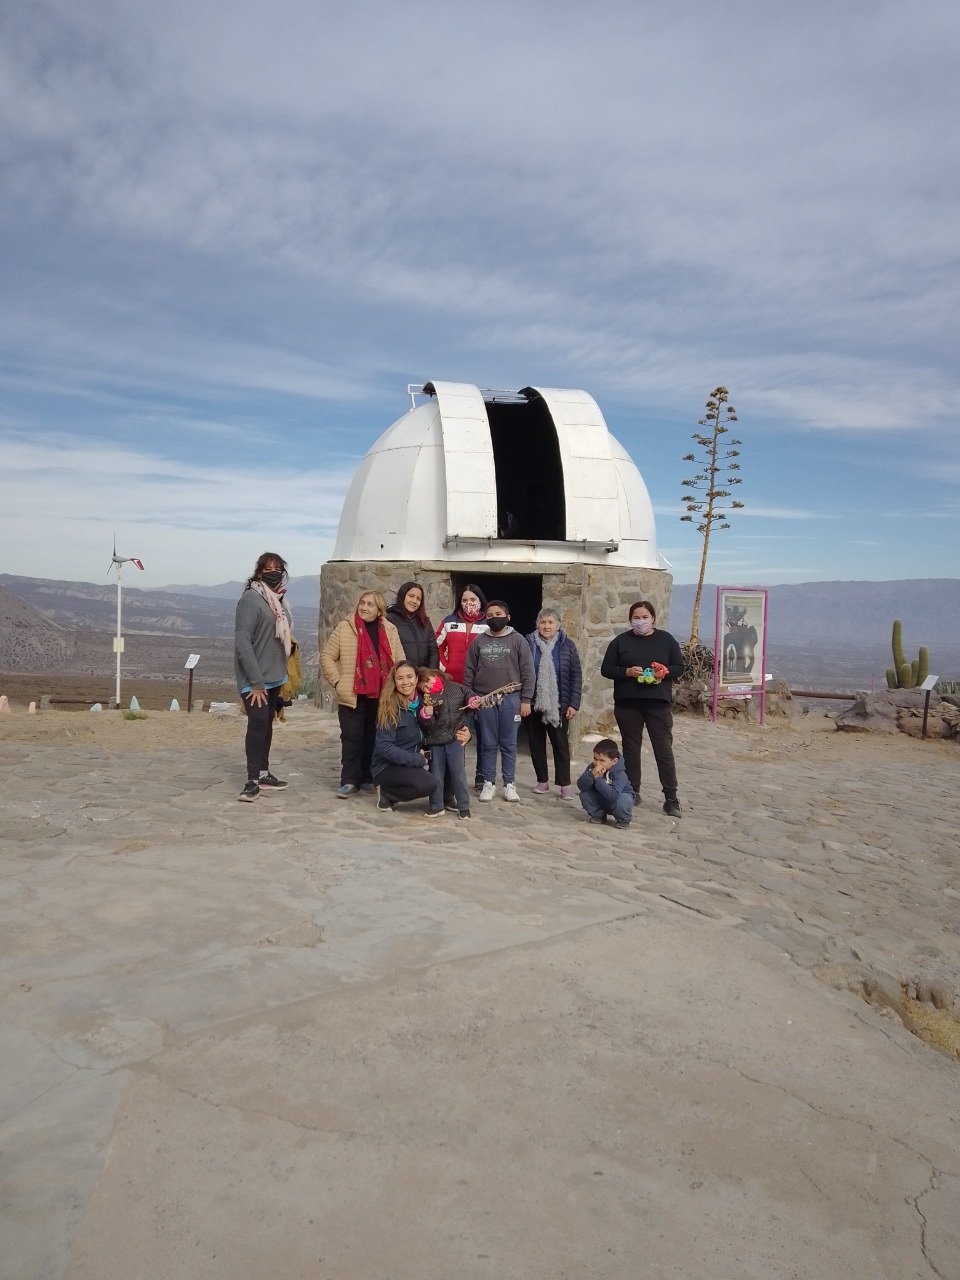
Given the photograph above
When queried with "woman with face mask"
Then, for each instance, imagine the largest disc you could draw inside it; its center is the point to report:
(455, 635)
(356, 660)
(643, 663)
(262, 644)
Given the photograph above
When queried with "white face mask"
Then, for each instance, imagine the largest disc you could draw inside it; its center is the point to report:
(641, 626)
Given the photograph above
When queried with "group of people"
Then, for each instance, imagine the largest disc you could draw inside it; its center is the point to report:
(411, 698)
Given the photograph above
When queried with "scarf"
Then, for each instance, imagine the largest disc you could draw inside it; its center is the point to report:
(280, 614)
(546, 699)
(372, 667)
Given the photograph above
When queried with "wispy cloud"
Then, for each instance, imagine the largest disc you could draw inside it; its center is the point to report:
(176, 516)
(259, 228)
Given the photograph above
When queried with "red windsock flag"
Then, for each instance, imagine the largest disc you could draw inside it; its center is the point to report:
(138, 563)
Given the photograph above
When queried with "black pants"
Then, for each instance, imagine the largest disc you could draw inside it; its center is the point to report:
(358, 733)
(260, 732)
(538, 731)
(657, 717)
(399, 782)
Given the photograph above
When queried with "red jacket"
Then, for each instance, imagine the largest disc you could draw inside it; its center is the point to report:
(454, 637)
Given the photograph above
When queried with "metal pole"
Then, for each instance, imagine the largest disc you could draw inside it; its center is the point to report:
(190, 691)
(118, 637)
(926, 709)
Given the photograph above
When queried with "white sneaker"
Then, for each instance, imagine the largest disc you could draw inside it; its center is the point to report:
(488, 791)
(509, 792)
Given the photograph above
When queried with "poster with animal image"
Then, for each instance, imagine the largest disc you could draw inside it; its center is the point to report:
(741, 622)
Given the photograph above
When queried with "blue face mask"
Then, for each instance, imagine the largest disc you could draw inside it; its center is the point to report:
(641, 626)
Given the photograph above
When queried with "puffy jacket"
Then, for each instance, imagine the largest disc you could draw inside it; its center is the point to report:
(419, 643)
(616, 778)
(566, 662)
(448, 716)
(338, 658)
(399, 744)
(455, 635)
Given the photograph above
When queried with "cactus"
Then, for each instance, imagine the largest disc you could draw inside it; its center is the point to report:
(904, 674)
(898, 658)
(923, 669)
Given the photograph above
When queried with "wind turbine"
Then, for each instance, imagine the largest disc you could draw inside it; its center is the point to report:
(117, 562)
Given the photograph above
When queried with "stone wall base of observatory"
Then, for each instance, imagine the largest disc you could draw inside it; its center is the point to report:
(592, 601)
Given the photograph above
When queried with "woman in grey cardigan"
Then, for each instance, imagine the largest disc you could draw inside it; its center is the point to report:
(262, 640)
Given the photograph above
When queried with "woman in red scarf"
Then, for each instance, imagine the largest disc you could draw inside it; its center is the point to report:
(356, 660)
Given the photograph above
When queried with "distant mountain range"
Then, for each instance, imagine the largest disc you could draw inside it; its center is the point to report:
(166, 611)
(858, 612)
(841, 627)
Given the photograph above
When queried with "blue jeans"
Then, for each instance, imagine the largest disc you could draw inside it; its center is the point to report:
(602, 800)
(450, 756)
(499, 727)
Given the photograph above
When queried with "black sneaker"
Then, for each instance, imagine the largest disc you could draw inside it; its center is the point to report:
(434, 813)
(250, 791)
(385, 806)
(269, 783)
(623, 826)
(600, 822)
(672, 807)
(464, 813)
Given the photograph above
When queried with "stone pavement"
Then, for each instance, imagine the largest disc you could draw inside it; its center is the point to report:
(302, 1038)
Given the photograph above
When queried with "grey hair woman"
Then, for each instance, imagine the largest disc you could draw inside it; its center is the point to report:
(556, 700)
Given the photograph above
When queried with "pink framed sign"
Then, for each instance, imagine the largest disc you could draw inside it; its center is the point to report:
(740, 646)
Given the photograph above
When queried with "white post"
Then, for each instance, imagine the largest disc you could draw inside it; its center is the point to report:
(118, 636)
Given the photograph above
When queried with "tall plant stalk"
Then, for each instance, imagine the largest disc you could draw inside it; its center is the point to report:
(706, 499)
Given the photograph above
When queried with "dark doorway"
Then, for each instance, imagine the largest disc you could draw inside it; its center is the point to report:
(526, 455)
(523, 592)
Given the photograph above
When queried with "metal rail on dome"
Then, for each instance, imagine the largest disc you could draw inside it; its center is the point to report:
(583, 544)
(497, 395)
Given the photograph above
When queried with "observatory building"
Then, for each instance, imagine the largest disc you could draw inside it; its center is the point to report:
(524, 493)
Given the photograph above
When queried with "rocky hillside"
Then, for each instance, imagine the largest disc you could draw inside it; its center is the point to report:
(31, 642)
(184, 611)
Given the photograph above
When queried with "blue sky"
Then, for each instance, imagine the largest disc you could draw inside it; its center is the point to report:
(233, 236)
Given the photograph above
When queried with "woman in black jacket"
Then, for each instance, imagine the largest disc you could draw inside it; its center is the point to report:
(643, 663)
(409, 615)
(400, 767)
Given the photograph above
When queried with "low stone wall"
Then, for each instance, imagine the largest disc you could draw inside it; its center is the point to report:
(592, 601)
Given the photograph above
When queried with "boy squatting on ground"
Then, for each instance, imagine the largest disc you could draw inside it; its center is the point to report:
(496, 659)
(604, 786)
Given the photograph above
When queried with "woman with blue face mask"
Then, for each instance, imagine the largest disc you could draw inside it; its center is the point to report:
(643, 663)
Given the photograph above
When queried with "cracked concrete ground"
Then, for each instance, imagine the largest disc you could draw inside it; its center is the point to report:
(301, 1039)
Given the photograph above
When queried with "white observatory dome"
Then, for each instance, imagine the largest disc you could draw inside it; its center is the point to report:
(500, 476)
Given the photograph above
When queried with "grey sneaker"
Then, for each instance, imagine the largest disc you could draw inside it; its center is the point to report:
(348, 789)
(672, 807)
(250, 791)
